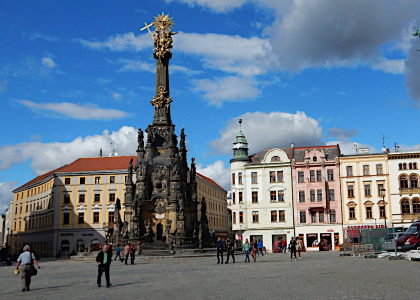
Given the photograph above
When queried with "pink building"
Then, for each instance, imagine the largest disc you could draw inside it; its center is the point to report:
(316, 196)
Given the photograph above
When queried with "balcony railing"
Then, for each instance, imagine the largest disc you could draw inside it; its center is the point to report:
(410, 191)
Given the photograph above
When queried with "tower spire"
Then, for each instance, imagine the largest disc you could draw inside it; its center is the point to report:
(240, 146)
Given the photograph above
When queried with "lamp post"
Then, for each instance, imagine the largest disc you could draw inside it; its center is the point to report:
(383, 200)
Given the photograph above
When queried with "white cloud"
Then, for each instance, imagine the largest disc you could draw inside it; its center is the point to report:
(342, 134)
(6, 194)
(275, 129)
(228, 88)
(38, 35)
(129, 65)
(121, 42)
(45, 157)
(117, 96)
(48, 62)
(101, 80)
(412, 72)
(218, 172)
(215, 5)
(395, 66)
(75, 111)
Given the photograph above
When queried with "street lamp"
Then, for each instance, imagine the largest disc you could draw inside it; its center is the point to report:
(383, 200)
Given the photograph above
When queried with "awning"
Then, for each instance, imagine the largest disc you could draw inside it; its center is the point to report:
(352, 233)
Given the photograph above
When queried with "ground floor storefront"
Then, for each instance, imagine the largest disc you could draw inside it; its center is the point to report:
(269, 237)
(79, 240)
(325, 237)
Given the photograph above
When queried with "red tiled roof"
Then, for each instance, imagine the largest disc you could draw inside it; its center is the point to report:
(99, 164)
(210, 181)
(333, 146)
(40, 177)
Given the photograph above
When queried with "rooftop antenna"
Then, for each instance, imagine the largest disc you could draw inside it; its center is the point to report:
(383, 143)
(355, 146)
(100, 153)
(396, 147)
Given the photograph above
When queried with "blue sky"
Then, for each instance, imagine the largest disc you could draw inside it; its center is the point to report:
(77, 76)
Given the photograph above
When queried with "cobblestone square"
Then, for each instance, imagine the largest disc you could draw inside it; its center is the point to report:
(318, 275)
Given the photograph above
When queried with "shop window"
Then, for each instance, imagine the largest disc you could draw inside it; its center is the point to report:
(301, 177)
(414, 181)
(65, 246)
(274, 216)
(240, 197)
(81, 218)
(405, 207)
(96, 217)
(97, 180)
(379, 169)
(273, 197)
(318, 176)
(112, 179)
(332, 216)
(312, 175)
(281, 196)
(82, 180)
(301, 196)
(349, 170)
(330, 174)
(254, 197)
(254, 177)
(241, 217)
(312, 195)
(282, 216)
(66, 182)
(302, 215)
(366, 170)
(350, 192)
(97, 197)
(233, 178)
(240, 177)
(66, 218)
(112, 197)
(280, 176)
(272, 176)
(367, 190)
(319, 195)
(331, 195)
(416, 206)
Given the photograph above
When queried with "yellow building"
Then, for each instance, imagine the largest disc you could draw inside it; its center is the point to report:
(71, 207)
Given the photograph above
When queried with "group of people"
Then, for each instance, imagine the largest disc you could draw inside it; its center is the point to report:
(254, 247)
(128, 250)
(230, 248)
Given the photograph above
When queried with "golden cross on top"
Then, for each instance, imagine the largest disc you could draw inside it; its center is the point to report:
(147, 27)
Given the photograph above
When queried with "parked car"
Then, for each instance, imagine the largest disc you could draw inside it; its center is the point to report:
(411, 238)
(389, 241)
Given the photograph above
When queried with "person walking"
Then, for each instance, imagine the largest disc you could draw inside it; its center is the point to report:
(132, 253)
(299, 245)
(260, 248)
(283, 245)
(118, 250)
(104, 259)
(254, 248)
(220, 247)
(25, 261)
(126, 252)
(229, 250)
(292, 246)
(246, 248)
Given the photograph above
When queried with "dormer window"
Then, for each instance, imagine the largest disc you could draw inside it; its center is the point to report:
(314, 158)
(275, 158)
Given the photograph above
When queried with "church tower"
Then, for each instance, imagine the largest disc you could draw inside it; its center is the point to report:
(240, 147)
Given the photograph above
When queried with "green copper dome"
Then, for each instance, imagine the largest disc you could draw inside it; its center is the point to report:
(240, 146)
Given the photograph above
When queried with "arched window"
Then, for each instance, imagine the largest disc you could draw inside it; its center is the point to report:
(415, 166)
(275, 158)
(65, 246)
(404, 166)
(403, 182)
(400, 166)
(405, 206)
(314, 158)
(416, 206)
(414, 181)
(410, 166)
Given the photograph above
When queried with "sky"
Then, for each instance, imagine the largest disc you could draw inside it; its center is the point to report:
(78, 76)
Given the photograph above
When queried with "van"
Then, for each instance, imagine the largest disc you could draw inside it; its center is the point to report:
(411, 238)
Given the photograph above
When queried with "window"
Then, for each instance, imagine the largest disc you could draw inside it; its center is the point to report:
(318, 176)
(111, 197)
(313, 217)
(82, 180)
(254, 178)
(300, 177)
(66, 218)
(82, 198)
(330, 174)
(405, 207)
(369, 212)
(254, 197)
(97, 180)
(365, 170)
(233, 197)
(275, 158)
(400, 166)
(233, 178)
(352, 213)
(234, 217)
(281, 196)
(381, 210)
(350, 192)
(97, 197)
(302, 214)
(240, 177)
(66, 182)
(416, 206)
(66, 198)
(81, 218)
(112, 179)
(273, 197)
(321, 217)
(312, 175)
(319, 195)
(125, 179)
(111, 218)
(410, 166)
(241, 217)
(301, 196)
(274, 216)
(96, 217)
(282, 216)
(403, 182)
(280, 176)
(380, 188)
(240, 197)
(404, 166)
(255, 217)
(367, 190)
(331, 195)
(414, 181)
(312, 196)
(272, 176)
(332, 216)
(415, 166)
(379, 169)
(314, 158)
